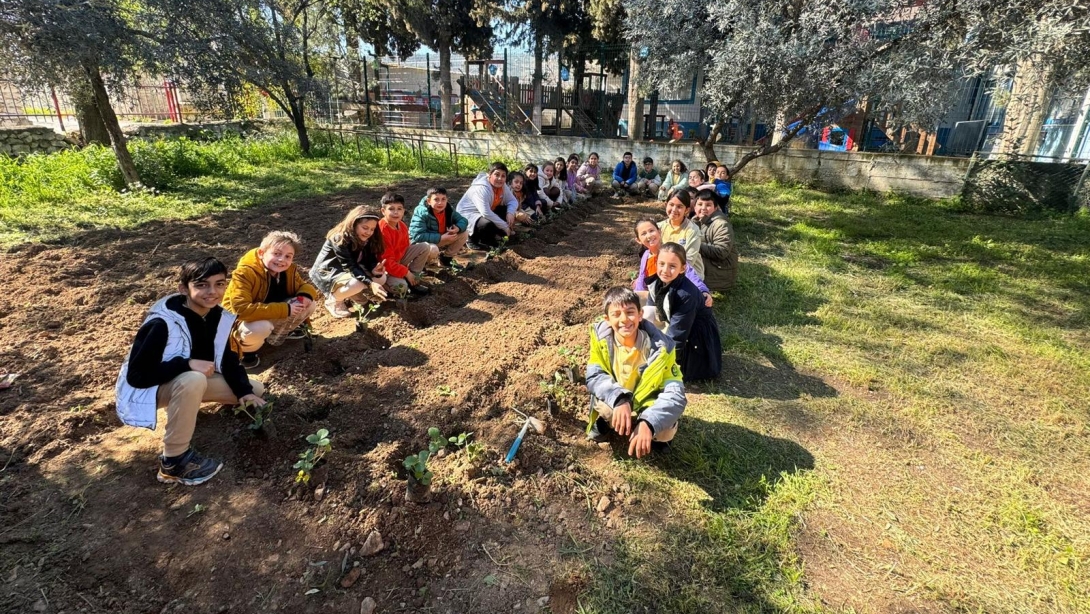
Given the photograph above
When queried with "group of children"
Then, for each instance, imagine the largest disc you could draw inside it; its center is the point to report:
(195, 346)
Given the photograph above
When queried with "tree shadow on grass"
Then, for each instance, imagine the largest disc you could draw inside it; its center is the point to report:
(728, 560)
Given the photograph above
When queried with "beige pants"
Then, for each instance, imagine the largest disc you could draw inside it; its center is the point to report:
(451, 247)
(416, 258)
(252, 335)
(182, 397)
(606, 412)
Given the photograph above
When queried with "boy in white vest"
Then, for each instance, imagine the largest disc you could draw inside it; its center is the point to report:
(182, 357)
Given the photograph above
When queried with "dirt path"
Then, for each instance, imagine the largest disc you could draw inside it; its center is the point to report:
(86, 527)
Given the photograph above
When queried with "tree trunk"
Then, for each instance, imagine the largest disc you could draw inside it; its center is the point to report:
(1031, 94)
(300, 121)
(91, 127)
(539, 60)
(770, 148)
(635, 100)
(709, 143)
(352, 45)
(446, 120)
(109, 119)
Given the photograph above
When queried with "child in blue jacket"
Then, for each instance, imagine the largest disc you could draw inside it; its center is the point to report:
(625, 175)
(437, 222)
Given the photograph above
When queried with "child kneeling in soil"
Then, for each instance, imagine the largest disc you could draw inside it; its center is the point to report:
(632, 375)
(404, 262)
(435, 222)
(181, 357)
(350, 262)
(269, 296)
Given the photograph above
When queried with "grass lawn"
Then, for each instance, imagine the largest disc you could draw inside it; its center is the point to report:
(902, 423)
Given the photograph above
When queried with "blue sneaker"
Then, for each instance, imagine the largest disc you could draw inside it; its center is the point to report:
(189, 469)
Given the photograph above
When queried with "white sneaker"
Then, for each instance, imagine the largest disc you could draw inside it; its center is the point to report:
(337, 309)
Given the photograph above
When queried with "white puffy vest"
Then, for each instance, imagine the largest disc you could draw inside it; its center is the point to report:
(137, 406)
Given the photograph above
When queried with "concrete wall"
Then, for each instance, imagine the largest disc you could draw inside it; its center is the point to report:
(930, 177)
(25, 140)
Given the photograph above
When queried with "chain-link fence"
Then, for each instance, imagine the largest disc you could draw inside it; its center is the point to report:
(1019, 185)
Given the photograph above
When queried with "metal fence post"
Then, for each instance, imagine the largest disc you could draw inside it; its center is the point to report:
(427, 69)
(1082, 184)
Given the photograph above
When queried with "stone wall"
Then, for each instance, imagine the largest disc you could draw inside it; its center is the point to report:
(25, 140)
(925, 176)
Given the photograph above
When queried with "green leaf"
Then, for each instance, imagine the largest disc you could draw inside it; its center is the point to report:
(491, 580)
(433, 432)
(423, 457)
(410, 461)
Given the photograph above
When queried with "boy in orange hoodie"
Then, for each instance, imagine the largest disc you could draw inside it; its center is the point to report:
(404, 262)
(268, 295)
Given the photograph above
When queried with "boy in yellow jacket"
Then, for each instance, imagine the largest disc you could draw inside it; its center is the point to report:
(269, 295)
(632, 375)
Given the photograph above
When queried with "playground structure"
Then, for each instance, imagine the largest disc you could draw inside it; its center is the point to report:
(494, 101)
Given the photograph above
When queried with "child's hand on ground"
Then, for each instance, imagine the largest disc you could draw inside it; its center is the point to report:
(377, 289)
(202, 366)
(707, 299)
(640, 443)
(252, 399)
(622, 419)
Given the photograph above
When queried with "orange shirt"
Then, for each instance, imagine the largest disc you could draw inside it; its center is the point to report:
(442, 217)
(497, 197)
(652, 267)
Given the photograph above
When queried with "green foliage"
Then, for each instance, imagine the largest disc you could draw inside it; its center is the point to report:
(460, 440)
(417, 464)
(308, 459)
(438, 441)
(363, 314)
(555, 388)
(499, 249)
(259, 416)
(474, 450)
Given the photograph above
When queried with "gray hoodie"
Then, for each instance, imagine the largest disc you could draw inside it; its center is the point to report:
(477, 203)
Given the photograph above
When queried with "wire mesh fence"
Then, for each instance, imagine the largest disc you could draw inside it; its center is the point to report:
(1019, 185)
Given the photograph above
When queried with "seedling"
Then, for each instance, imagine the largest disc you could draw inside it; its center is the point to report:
(555, 388)
(499, 249)
(363, 314)
(438, 441)
(307, 460)
(417, 464)
(474, 450)
(445, 391)
(197, 509)
(460, 440)
(573, 359)
(258, 416)
(632, 275)
(455, 268)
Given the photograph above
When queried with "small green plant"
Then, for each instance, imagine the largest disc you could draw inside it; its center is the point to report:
(570, 356)
(308, 459)
(197, 509)
(474, 450)
(438, 441)
(445, 391)
(417, 464)
(258, 416)
(555, 388)
(460, 440)
(499, 249)
(364, 313)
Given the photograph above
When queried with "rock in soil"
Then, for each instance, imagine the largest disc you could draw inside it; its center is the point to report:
(368, 606)
(351, 578)
(373, 545)
(603, 504)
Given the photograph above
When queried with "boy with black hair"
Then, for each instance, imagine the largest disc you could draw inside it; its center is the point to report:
(489, 207)
(632, 375)
(404, 262)
(182, 357)
(625, 175)
(436, 222)
(649, 181)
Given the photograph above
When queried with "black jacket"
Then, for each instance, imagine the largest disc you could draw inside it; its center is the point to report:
(146, 365)
(334, 259)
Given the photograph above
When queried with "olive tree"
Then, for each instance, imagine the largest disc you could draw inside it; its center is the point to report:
(82, 47)
(802, 62)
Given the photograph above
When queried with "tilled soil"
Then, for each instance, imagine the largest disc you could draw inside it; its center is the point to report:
(84, 526)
